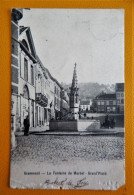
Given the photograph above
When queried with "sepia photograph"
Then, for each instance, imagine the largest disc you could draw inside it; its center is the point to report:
(67, 99)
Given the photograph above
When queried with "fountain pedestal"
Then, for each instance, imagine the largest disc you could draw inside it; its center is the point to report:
(74, 125)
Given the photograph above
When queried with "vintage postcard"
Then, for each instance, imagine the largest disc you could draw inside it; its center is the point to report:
(67, 101)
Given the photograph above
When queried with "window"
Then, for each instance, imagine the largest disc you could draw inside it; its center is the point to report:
(58, 103)
(108, 108)
(25, 69)
(55, 101)
(122, 94)
(121, 108)
(114, 102)
(98, 102)
(110, 102)
(20, 57)
(25, 92)
(41, 82)
(32, 75)
(102, 108)
(118, 101)
(114, 108)
(102, 102)
(58, 92)
(107, 102)
(122, 101)
(118, 94)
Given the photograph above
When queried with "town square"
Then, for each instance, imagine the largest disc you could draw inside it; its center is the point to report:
(62, 120)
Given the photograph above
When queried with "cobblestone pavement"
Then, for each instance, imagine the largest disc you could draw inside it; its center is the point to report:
(55, 149)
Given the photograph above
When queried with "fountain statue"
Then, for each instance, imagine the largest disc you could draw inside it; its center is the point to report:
(72, 122)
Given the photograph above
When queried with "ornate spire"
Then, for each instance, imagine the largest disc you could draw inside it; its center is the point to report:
(74, 80)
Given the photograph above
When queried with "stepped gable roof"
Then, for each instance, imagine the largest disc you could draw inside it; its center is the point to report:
(104, 96)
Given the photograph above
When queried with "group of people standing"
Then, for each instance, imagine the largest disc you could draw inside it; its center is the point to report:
(109, 122)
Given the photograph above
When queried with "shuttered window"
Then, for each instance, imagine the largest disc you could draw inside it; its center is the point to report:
(25, 69)
(32, 75)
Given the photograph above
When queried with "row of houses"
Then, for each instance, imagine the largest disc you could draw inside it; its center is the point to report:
(35, 92)
(106, 103)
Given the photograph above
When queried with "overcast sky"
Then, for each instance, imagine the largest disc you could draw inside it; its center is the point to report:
(93, 38)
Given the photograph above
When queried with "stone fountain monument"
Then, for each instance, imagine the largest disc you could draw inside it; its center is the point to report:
(73, 123)
(74, 97)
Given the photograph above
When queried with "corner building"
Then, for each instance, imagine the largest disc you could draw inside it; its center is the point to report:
(16, 15)
(27, 63)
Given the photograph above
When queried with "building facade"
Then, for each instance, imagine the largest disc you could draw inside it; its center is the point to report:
(86, 104)
(57, 99)
(110, 103)
(106, 103)
(27, 65)
(119, 89)
(17, 14)
(35, 93)
(64, 104)
(41, 114)
(50, 86)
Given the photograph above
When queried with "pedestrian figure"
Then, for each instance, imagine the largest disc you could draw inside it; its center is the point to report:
(106, 123)
(26, 126)
(112, 123)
